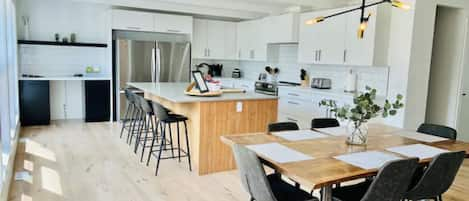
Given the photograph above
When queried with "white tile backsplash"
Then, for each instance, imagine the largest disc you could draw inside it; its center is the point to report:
(284, 57)
(60, 60)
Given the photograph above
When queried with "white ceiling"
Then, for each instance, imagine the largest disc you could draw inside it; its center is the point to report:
(232, 9)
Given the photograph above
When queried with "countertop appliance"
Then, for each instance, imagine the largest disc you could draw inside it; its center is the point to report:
(214, 70)
(236, 73)
(150, 57)
(321, 83)
(268, 88)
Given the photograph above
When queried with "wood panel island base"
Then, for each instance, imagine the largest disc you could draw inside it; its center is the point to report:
(212, 117)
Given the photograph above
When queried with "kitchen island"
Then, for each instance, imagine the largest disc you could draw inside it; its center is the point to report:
(212, 117)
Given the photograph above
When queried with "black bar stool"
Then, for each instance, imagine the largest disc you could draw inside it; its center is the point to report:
(129, 112)
(147, 126)
(166, 119)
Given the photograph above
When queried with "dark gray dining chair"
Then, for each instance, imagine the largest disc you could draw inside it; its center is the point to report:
(437, 177)
(438, 130)
(283, 126)
(391, 184)
(262, 187)
(324, 123)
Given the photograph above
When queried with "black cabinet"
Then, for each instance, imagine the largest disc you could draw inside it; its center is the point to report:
(97, 100)
(34, 102)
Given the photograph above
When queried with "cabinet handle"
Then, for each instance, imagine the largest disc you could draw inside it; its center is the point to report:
(173, 30)
(293, 103)
(290, 119)
(239, 54)
(292, 94)
(208, 50)
(134, 28)
(320, 55)
(315, 55)
(345, 56)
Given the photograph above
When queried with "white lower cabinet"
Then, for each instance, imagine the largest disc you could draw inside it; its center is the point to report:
(301, 105)
(66, 100)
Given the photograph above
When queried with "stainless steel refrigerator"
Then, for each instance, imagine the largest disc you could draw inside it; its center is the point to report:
(150, 57)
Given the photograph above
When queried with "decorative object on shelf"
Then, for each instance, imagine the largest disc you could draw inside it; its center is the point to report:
(57, 37)
(364, 109)
(351, 82)
(304, 78)
(73, 38)
(65, 40)
(26, 30)
(363, 18)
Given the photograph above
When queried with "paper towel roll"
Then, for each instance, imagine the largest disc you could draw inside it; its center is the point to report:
(351, 82)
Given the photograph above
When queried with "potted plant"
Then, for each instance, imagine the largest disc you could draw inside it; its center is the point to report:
(364, 109)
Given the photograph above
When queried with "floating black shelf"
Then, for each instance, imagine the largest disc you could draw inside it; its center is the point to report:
(36, 42)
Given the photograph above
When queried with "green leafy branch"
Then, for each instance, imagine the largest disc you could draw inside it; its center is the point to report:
(364, 107)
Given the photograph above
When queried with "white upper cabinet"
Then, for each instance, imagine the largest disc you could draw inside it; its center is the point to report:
(252, 40)
(214, 39)
(132, 20)
(173, 23)
(199, 39)
(335, 40)
(322, 43)
(360, 51)
(283, 28)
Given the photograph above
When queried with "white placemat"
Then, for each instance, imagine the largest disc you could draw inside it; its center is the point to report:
(420, 136)
(279, 153)
(367, 160)
(417, 150)
(299, 135)
(334, 131)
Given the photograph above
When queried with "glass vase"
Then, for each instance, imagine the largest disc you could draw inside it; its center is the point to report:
(358, 133)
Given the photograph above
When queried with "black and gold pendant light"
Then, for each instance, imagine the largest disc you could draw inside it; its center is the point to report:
(363, 18)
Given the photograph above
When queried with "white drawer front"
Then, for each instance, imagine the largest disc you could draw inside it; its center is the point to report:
(295, 94)
(296, 107)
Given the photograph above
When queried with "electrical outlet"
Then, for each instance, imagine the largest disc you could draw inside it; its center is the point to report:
(239, 106)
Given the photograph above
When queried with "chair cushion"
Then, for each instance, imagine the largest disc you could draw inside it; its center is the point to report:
(351, 193)
(175, 118)
(283, 191)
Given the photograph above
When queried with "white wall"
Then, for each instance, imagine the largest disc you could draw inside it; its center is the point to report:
(9, 124)
(410, 52)
(445, 72)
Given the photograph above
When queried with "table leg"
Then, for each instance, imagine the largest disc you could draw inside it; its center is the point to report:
(326, 193)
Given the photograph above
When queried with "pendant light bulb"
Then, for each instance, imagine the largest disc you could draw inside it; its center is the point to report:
(314, 20)
(363, 26)
(400, 4)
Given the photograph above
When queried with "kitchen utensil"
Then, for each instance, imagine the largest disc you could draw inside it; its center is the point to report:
(73, 38)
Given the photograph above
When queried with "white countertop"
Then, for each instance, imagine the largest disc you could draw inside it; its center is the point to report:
(174, 92)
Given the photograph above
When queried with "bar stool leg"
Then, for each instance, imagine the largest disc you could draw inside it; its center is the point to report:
(152, 129)
(132, 122)
(152, 145)
(179, 142)
(143, 129)
(126, 118)
(136, 121)
(187, 147)
(171, 139)
(163, 137)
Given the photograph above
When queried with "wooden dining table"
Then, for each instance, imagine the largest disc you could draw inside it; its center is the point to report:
(323, 170)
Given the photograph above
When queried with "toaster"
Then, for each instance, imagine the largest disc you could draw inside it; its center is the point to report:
(321, 83)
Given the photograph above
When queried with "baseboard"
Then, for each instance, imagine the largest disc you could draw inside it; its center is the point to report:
(5, 189)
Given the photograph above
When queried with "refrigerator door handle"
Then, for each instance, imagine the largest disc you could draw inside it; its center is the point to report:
(153, 65)
(158, 64)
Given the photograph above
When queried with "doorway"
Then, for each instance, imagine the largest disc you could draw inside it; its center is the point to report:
(445, 97)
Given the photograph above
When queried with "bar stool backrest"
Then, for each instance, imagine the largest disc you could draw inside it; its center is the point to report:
(130, 96)
(438, 177)
(392, 181)
(160, 111)
(144, 105)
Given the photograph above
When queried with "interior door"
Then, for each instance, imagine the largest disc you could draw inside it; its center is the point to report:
(463, 126)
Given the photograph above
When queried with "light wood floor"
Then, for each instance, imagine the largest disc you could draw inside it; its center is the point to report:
(73, 161)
